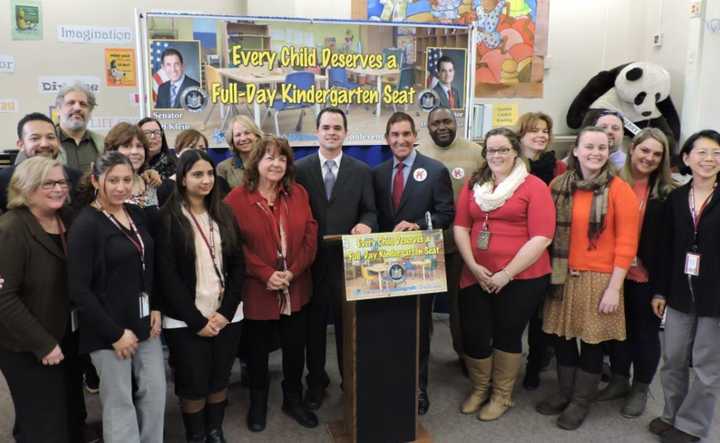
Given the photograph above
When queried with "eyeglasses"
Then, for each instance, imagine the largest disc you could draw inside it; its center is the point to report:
(50, 184)
(500, 152)
(153, 133)
(703, 153)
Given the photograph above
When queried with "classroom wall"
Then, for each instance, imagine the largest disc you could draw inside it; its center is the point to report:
(50, 57)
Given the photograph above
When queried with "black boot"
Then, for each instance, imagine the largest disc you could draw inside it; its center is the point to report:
(586, 387)
(214, 415)
(257, 414)
(294, 407)
(559, 400)
(194, 427)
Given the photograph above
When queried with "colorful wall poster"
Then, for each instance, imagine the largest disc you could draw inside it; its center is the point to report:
(26, 20)
(120, 67)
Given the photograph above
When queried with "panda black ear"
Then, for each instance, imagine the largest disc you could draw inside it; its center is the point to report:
(634, 74)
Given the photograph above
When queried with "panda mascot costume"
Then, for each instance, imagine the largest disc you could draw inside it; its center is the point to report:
(639, 90)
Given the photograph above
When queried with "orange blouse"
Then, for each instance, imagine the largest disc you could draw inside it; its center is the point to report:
(617, 244)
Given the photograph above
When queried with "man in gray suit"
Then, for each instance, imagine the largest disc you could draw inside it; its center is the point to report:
(343, 202)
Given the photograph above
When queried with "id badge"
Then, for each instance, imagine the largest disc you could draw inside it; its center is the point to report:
(144, 302)
(74, 320)
(692, 264)
(635, 262)
(483, 240)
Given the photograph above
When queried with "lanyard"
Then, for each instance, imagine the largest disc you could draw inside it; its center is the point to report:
(210, 244)
(137, 242)
(61, 230)
(697, 215)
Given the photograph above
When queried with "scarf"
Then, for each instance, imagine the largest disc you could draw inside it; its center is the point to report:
(490, 197)
(544, 167)
(562, 189)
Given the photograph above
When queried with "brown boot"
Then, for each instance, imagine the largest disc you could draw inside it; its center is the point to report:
(559, 400)
(586, 387)
(479, 371)
(505, 371)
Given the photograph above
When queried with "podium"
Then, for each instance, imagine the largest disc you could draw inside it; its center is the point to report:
(380, 367)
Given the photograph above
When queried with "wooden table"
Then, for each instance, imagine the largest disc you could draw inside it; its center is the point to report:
(378, 269)
(378, 73)
(262, 77)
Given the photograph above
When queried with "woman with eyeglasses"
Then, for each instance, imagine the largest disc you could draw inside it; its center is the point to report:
(35, 318)
(647, 170)
(504, 223)
(594, 245)
(159, 157)
(688, 296)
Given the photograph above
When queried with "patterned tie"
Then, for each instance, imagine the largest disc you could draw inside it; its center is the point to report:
(173, 94)
(451, 99)
(329, 178)
(398, 185)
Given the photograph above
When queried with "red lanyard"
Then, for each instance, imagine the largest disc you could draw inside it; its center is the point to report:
(137, 242)
(210, 244)
(278, 230)
(696, 215)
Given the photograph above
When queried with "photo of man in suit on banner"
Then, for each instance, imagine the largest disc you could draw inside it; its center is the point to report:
(446, 76)
(175, 64)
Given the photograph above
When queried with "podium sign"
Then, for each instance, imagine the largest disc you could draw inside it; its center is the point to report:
(393, 264)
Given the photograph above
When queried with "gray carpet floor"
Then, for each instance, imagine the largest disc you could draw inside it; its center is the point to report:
(444, 422)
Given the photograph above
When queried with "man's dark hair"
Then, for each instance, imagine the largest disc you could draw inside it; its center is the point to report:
(399, 117)
(34, 116)
(445, 59)
(172, 51)
(331, 110)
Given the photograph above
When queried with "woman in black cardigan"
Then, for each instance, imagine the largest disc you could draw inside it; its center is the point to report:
(647, 170)
(35, 324)
(200, 272)
(688, 296)
(111, 281)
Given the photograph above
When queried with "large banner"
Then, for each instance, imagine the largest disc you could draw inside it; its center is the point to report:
(200, 72)
(394, 264)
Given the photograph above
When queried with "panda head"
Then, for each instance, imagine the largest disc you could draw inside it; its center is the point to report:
(641, 86)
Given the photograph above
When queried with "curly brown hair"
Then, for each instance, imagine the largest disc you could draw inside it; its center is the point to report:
(272, 145)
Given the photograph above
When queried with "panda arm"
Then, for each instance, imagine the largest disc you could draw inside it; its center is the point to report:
(593, 90)
(667, 109)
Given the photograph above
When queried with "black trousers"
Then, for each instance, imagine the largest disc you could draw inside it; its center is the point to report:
(497, 321)
(425, 332)
(642, 347)
(325, 305)
(292, 330)
(538, 340)
(40, 397)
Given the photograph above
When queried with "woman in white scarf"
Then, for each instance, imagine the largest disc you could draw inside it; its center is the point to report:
(504, 222)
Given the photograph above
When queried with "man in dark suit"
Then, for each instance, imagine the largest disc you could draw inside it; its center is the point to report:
(169, 93)
(406, 187)
(449, 94)
(343, 202)
(36, 136)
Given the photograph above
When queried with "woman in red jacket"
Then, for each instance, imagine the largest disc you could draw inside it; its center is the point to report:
(280, 243)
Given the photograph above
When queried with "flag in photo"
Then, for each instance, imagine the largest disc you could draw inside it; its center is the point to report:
(159, 76)
(433, 56)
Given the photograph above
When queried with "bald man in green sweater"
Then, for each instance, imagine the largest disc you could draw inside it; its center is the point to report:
(462, 158)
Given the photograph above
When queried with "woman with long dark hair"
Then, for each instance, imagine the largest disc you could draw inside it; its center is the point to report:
(159, 156)
(110, 278)
(200, 272)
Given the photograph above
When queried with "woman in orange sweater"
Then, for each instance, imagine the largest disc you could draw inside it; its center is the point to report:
(594, 245)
